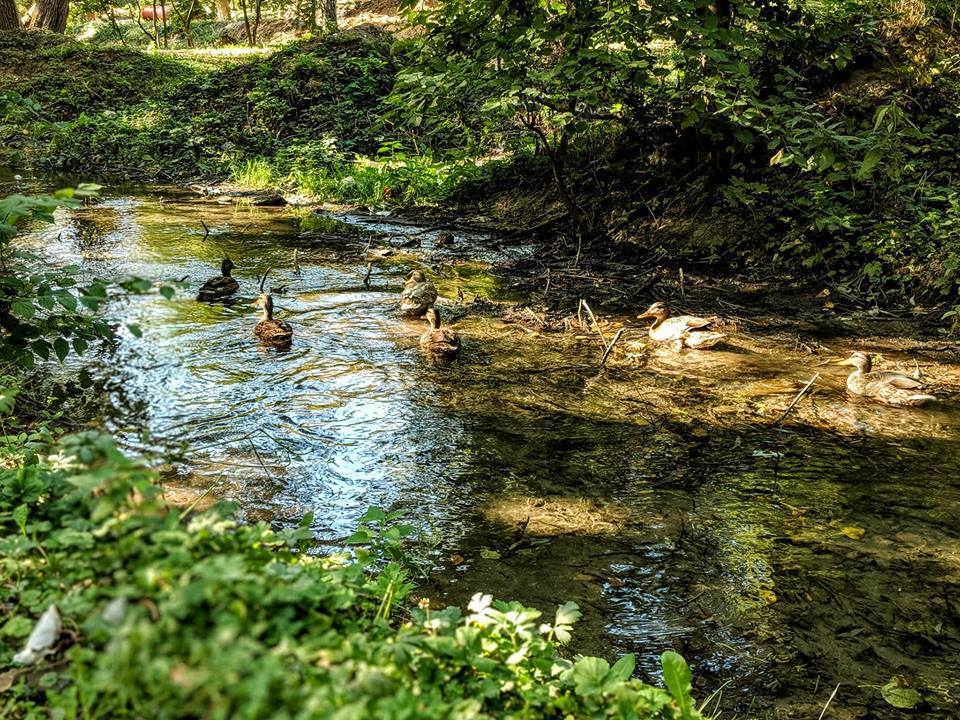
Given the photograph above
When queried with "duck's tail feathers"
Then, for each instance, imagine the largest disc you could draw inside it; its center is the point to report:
(921, 399)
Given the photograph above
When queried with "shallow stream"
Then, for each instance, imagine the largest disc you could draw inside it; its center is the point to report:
(658, 493)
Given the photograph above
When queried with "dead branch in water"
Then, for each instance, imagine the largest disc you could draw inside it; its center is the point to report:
(800, 394)
(606, 353)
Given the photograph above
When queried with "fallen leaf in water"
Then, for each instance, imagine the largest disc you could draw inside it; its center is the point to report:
(769, 596)
(7, 680)
(828, 305)
(854, 533)
(456, 559)
(44, 635)
(899, 696)
(823, 293)
(488, 554)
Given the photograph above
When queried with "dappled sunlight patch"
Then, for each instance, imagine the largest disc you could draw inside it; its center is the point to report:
(552, 516)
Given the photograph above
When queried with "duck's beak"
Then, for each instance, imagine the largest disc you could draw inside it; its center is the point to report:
(645, 316)
(255, 303)
(845, 361)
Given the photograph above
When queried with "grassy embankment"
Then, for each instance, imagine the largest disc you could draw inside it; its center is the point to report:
(842, 175)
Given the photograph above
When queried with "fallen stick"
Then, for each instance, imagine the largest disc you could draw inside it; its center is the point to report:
(206, 230)
(606, 353)
(800, 394)
(596, 325)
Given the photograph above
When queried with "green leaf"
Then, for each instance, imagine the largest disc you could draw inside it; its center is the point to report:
(374, 514)
(870, 161)
(166, 291)
(900, 697)
(677, 678)
(568, 613)
(623, 668)
(135, 330)
(79, 345)
(588, 675)
(62, 348)
(22, 309)
(68, 301)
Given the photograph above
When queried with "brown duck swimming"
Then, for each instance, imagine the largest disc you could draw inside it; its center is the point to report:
(269, 329)
(885, 386)
(418, 295)
(220, 286)
(438, 340)
(683, 330)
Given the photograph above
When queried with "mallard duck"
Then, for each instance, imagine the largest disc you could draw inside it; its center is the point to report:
(438, 340)
(886, 386)
(444, 238)
(683, 330)
(269, 329)
(418, 295)
(221, 286)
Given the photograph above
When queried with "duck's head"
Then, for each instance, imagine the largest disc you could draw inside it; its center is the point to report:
(861, 361)
(265, 301)
(658, 311)
(415, 276)
(432, 316)
(226, 267)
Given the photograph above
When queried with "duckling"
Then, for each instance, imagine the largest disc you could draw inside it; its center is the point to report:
(444, 238)
(418, 295)
(437, 340)
(684, 330)
(221, 286)
(270, 330)
(886, 386)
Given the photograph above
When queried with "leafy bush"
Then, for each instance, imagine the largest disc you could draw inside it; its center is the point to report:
(171, 614)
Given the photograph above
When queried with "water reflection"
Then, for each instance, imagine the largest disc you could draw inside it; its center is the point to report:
(658, 493)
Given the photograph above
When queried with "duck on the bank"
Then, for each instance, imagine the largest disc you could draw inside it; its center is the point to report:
(683, 330)
(220, 286)
(438, 340)
(269, 329)
(418, 295)
(886, 386)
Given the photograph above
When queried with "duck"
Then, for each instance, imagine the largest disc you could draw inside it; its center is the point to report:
(444, 238)
(418, 295)
(438, 340)
(220, 286)
(269, 329)
(885, 386)
(683, 330)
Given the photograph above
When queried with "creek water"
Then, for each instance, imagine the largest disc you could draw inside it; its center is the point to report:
(658, 493)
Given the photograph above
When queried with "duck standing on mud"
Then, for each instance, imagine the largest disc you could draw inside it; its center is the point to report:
(269, 329)
(418, 295)
(220, 286)
(437, 340)
(683, 330)
(885, 386)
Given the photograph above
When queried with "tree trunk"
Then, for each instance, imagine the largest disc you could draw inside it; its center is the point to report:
(330, 15)
(9, 19)
(51, 15)
(223, 10)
